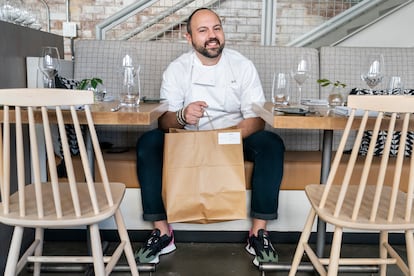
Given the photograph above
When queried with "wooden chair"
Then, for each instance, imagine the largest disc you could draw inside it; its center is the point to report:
(349, 201)
(54, 204)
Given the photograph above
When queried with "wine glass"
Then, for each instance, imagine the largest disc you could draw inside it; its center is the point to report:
(280, 89)
(373, 70)
(49, 65)
(300, 73)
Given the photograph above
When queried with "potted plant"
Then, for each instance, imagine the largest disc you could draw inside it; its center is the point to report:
(335, 97)
(93, 84)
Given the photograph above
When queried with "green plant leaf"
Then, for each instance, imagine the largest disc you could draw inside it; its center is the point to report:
(323, 81)
(95, 82)
(326, 82)
(82, 85)
(92, 82)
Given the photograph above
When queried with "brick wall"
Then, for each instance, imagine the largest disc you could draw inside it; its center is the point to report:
(241, 19)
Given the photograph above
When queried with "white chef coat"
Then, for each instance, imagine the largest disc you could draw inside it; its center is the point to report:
(229, 88)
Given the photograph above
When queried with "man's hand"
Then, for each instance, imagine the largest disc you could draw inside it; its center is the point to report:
(192, 114)
(194, 111)
(251, 125)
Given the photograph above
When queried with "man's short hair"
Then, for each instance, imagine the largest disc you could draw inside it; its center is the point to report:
(194, 12)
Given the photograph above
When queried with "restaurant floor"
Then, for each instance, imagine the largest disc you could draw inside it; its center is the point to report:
(211, 259)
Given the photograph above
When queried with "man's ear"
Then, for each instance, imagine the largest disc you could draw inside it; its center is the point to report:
(188, 37)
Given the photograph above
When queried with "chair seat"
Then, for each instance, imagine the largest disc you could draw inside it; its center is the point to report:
(69, 217)
(314, 193)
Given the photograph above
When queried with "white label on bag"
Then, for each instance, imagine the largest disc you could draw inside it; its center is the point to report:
(227, 138)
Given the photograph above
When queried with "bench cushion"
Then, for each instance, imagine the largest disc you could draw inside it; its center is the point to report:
(122, 167)
(301, 168)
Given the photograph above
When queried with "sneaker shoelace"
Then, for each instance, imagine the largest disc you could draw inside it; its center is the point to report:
(264, 246)
(154, 241)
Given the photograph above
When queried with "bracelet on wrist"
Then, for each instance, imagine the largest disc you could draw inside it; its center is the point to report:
(179, 115)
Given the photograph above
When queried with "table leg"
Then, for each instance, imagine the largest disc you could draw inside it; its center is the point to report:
(327, 142)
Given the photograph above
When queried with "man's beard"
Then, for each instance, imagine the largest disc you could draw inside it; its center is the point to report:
(209, 53)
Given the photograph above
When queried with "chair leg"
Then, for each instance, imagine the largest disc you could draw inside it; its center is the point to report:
(409, 240)
(39, 235)
(98, 263)
(383, 251)
(14, 251)
(335, 252)
(304, 238)
(123, 234)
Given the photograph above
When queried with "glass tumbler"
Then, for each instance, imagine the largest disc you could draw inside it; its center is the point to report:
(395, 86)
(131, 85)
(280, 89)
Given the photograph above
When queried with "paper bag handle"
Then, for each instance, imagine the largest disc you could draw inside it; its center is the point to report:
(209, 120)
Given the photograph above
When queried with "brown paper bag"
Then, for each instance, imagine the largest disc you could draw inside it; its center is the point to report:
(203, 176)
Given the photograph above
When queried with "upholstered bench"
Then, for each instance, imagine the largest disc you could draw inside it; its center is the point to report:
(301, 168)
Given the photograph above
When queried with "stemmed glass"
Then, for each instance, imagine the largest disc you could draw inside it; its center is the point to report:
(49, 65)
(373, 70)
(300, 73)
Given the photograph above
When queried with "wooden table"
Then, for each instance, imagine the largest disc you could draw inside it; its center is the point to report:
(318, 118)
(145, 114)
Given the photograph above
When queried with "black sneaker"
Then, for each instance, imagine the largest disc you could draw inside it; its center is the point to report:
(154, 247)
(262, 248)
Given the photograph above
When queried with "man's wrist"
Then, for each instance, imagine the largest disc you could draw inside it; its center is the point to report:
(179, 115)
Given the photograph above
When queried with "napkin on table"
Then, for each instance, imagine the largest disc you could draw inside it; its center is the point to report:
(345, 111)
